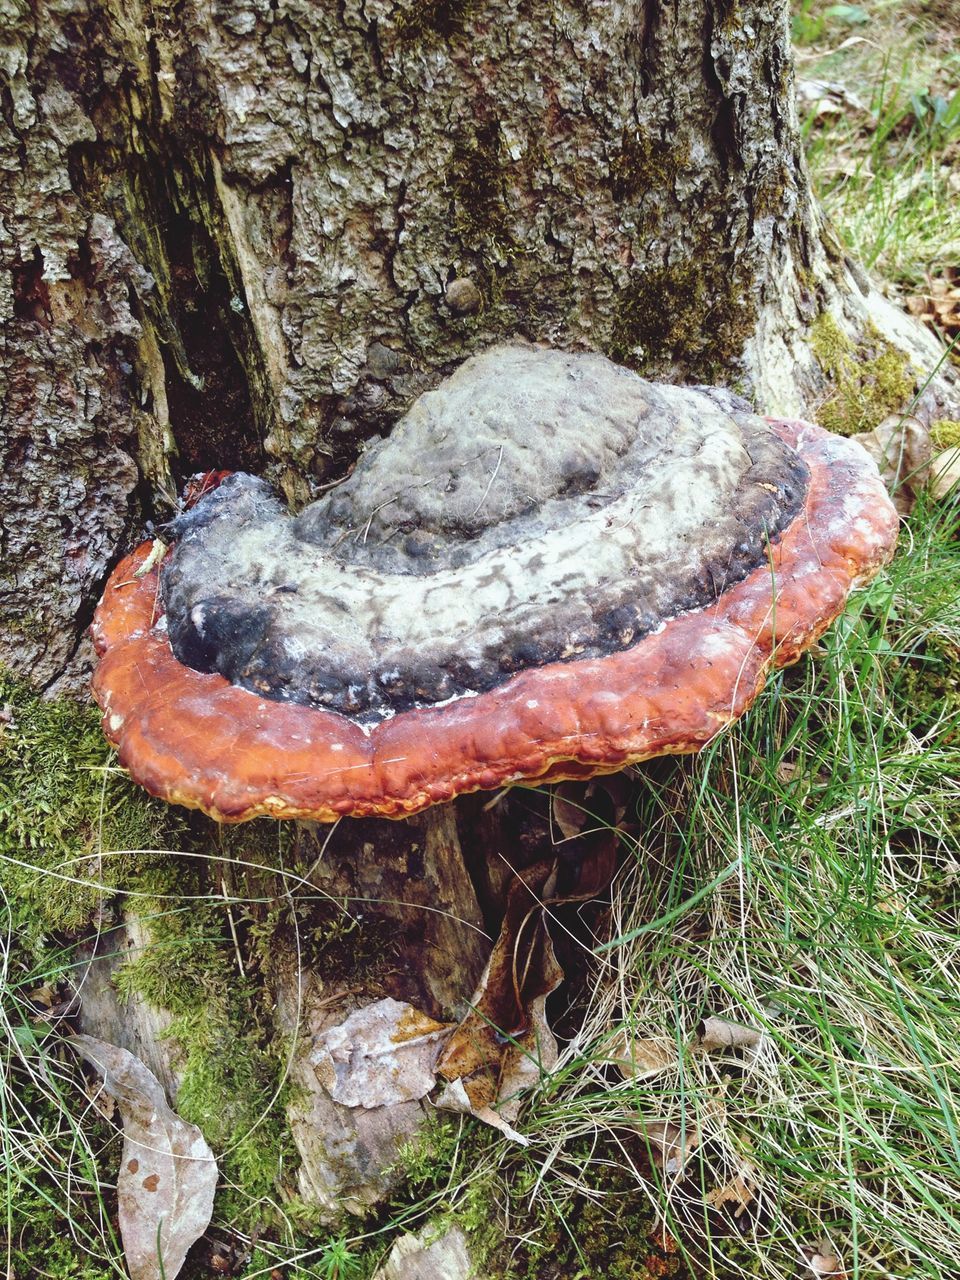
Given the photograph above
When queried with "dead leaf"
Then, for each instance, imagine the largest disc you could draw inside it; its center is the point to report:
(383, 1054)
(638, 1059)
(100, 1100)
(671, 1145)
(901, 448)
(787, 770)
(718, 1033)
(739, 1192)
(596, 806)
(156, 553)
(828, 98)
(823, 1260)
(504, 1044)
(945, 472)
(43, 996)
(587, 816)
(454, 1097)
(167, 1174)
(938, 305)
(567, 809)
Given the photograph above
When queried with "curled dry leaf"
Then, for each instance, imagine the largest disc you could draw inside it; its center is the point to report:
(718, 1033)
(154, 556)
(167, 1174)
(738, 1193)
(454, 1097)
(945, 472)
(597, 805)
(504, 1044)
(939, 303)
(383, 1054)
(901, 448)
(568, 810)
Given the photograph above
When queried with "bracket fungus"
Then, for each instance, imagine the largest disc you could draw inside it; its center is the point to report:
(550, 569)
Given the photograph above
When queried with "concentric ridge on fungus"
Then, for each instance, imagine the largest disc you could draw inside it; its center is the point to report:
(550, 568)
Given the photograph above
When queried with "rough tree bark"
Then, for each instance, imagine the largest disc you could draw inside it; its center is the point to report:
(230, 231)
(249, 234)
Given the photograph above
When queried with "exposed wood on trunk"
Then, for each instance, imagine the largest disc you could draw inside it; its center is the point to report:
(455, 945)
(128, 1021)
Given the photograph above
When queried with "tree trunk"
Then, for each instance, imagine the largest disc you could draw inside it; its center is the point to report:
(250, 234)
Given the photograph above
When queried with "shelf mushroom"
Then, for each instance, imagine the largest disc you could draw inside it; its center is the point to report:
(550, 569)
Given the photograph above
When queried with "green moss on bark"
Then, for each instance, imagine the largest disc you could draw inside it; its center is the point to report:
(476, 186)
(945, 434)
(426, 18)
(866, 381)
(683, 314)
(645, 162)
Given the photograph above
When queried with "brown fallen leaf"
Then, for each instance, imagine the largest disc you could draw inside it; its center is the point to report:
(938, 304)
(454, 1097)
(382, 1054)
(901, 448)
(670, 1145)
(828, 98)
(637, 1058)
(739, 1192)
(568, 810)
(167, 1172)
(945, 472)
(595, 806)
(100, 1100)
(719, 1033)
(42, 997)
(823, 1260)
(504, 1043)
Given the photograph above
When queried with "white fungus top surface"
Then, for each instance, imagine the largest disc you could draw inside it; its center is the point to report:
(536, 506)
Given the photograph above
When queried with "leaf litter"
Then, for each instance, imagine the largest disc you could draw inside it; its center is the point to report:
(168, 1174)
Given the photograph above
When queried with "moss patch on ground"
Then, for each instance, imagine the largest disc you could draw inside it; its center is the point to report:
(866, 382)
(232, 1060)
(80, 849)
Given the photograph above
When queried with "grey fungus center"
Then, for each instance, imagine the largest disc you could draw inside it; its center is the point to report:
(536, 507)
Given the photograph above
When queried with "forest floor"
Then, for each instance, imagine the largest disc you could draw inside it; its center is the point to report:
(799, 880)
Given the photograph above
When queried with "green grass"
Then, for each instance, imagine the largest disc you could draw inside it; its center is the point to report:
(828, 824)
(54, 1146)
(883, 155)
(802, 877)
